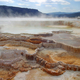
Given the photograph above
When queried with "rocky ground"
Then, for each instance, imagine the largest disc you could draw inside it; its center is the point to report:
(17, 51)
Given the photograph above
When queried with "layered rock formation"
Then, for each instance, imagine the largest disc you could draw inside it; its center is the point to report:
(23, 61)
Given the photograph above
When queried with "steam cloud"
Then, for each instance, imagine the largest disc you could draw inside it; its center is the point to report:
(34, 25)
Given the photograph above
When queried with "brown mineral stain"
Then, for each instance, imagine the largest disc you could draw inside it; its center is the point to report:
(30, 51)
(48, 59)
(7, 75)
(68, 59)
(47, 54)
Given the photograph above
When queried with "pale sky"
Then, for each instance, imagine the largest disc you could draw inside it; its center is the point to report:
(45, 6)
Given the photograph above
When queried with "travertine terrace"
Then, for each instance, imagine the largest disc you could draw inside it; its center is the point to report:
(49, 53)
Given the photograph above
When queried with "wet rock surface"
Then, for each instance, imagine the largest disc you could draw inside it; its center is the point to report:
(49, 54)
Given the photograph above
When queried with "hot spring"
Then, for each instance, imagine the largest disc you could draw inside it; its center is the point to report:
(37, 25)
